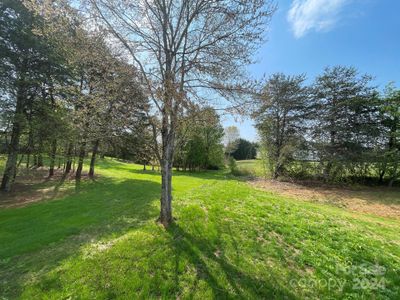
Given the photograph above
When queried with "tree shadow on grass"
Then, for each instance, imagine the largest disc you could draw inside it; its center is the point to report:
(241, 284)
(36, 238)
(210, 175)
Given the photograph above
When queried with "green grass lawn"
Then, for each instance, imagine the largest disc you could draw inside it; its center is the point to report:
(229, 241)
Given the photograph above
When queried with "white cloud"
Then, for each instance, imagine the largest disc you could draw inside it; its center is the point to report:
(318, 15)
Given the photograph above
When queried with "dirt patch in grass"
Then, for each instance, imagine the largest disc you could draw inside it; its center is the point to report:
(380, 201)
(34, 185)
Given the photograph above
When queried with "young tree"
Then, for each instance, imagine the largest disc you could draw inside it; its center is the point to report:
(280, 119)
(184, 48)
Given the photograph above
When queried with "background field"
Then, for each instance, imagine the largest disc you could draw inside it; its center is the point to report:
(230, 240)
(252, 167)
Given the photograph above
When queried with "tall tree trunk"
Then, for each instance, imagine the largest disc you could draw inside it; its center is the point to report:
(166, 174)
(81, 157)
(30, 145)
(10, 170)
(394, 176)
(169, 122)
(93, 159)
(40, 156)
(166, 193)
(53, 150)
(20, 160)
(28, 158)
(381, 175)
(52, 157)
(68, 164)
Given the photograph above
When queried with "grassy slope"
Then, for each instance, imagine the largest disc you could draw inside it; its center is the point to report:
(229, 241)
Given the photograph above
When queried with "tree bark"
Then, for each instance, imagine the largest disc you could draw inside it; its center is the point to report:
(40, 156)
(30, 146)
(68, 164)
(93, 159)
(52, 157)
(81, 157)
(28, 158)
(168, 136)
(166, 194)
(10, 170)
(394, 177)
(381, 174)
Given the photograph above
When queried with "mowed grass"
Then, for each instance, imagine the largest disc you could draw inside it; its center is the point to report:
(229, 241)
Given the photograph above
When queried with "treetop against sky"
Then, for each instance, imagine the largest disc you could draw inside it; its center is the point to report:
(307, 35)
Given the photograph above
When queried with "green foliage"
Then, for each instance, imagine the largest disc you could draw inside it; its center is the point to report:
(337, 130)
(389, 158)
(252, 168)
(229, 241)
(63, 89)
(199, 143)
(280, 116)
(245, 150)
(232, 165)
(346, 118)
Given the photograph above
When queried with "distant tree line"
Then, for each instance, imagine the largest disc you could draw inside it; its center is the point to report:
(339, 128)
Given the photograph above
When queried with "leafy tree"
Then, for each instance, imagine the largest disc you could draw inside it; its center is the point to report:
(28, 59)
(199, 141)
(245, 150)
(345, 118)
(64, 90)
(280, 119)
(185, 50)
(388, 153)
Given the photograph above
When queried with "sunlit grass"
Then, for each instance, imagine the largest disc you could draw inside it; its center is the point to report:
(229, 241)
(253, 167)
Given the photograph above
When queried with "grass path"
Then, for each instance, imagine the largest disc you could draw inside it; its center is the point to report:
(229, 241)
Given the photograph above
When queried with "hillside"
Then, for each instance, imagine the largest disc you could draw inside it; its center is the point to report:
(229, 240)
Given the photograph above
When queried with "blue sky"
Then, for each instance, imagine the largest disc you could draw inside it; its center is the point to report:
(307, 35)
